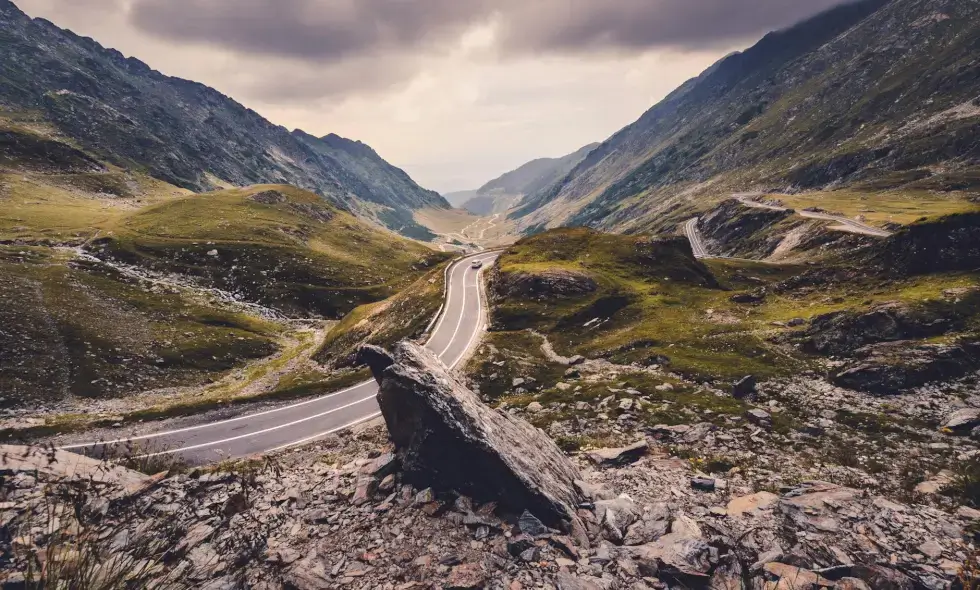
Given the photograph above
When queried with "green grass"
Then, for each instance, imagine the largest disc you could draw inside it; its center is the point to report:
(82, 330)
(384, 323)
(895, 206)
(295, 253)
(654, 304)
(651, 300)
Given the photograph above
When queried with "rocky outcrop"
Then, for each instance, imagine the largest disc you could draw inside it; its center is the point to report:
(893, 367)
(951, 243)
(842, 333)
(736, 230)
(548, 284)
(447, 439)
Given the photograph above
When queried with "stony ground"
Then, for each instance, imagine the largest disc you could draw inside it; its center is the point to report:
(781, 485)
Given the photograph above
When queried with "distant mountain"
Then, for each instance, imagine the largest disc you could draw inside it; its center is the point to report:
(185, 133)
(873, 94)
(458, 199)
(506, 191)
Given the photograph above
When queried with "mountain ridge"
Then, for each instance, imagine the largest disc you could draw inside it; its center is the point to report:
(185, 132)
(510, 188)
(831, 101)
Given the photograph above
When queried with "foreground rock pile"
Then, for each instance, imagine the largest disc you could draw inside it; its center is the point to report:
(362, 511)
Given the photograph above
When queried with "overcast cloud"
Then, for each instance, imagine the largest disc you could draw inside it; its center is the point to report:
(454, 91)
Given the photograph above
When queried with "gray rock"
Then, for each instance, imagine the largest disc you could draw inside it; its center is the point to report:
(531, 525)
(759, 417)
(376, 358)
(962, 421)
(653, 524)
(615, 517)
(447, 438)
(567, 581)
(704, 484)
(744, 387)
(682, 559)
(618, 456)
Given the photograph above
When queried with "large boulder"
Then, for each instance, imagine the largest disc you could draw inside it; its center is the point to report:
(448, 440)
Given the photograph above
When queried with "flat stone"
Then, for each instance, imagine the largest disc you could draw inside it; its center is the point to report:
(962, 421)
(795, 577)
(757, 501)
(759, 417)
(968, 513)
(567, 581)
(466, 576)
(704, 484)
(618, 456)
(931, 549)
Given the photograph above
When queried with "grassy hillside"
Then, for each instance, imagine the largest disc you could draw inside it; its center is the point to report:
(113, 283)
(72, 328)
(647, 301)
(275, 245)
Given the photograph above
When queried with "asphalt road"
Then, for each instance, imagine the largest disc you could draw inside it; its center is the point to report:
(845, 224)
(455, 333)
(694, 236)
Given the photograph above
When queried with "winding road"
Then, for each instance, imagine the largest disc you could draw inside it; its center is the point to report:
(694, 236)
(456, 332)
(849, 225)
(846, 224)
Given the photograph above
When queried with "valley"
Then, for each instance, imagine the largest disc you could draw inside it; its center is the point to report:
(733, 346)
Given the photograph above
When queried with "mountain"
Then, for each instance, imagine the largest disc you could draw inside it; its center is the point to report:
(458, 198)
(506, 191)
(185, 133)
(870, 95)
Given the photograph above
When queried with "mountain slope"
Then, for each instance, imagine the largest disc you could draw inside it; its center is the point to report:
(507, 190)
(183, 132)
(876, 94)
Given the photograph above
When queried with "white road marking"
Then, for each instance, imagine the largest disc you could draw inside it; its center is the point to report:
(258, 432)
(476, 332)
(462, 314)
(324, 433)
(209, 424)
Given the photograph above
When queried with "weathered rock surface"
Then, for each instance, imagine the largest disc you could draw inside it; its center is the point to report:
(962, 421)
(842, 333)
(620, 455)
(546, 284)
(893, 367)
(446, 438)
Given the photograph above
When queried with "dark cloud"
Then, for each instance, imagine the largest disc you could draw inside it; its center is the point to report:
(309, 29)
(330, 47)
(588, 25)
(339, 29)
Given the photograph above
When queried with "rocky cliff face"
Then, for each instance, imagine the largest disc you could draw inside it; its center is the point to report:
(184, 132)
(871, 93)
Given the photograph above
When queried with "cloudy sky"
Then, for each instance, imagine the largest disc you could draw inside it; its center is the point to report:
(454, 91)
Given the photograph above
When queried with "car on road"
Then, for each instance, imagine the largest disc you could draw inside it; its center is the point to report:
(477, 264)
